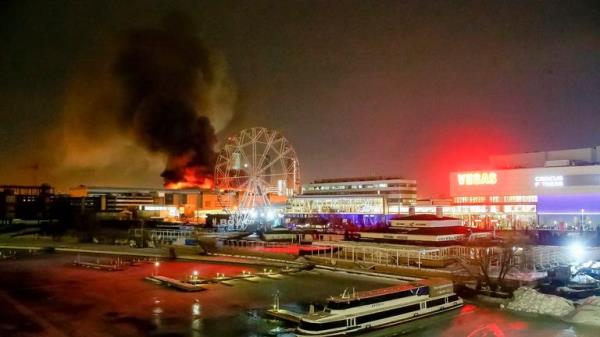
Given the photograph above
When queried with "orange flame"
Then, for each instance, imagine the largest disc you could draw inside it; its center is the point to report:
(192, 178)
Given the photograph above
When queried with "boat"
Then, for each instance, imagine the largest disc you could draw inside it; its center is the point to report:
(577, 293)
(426, 229)
(354, 312)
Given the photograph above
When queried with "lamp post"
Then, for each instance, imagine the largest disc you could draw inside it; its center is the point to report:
(156, 265)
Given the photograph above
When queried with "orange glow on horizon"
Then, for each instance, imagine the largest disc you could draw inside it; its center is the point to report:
(192, 178)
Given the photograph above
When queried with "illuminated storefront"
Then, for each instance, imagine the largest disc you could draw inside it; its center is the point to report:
(482, 215)
(557, 190)
(340, 210)
(561, 195)
(337, 205)
(398, 191)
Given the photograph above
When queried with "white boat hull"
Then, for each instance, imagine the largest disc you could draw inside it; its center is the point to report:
(383, 323)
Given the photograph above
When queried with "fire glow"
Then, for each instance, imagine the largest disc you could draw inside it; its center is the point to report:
(192, 178)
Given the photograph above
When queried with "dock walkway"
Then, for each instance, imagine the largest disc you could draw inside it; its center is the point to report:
(99, 266)
(179, 285)
(285, 315)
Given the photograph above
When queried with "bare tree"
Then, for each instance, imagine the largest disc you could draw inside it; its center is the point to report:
(490, 265)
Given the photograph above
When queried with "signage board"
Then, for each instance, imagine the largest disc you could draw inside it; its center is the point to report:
(477, 178)
(549, 181)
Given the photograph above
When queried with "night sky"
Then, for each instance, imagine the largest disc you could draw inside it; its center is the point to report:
(410, 88)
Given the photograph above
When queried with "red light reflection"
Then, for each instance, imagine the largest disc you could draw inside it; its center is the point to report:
(486, 330)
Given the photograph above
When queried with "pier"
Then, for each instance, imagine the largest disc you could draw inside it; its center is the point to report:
(98, 266)
(179, 285)
(115, 264)
(285, 315)
(195, 283)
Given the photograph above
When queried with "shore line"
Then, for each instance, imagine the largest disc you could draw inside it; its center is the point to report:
(211, 257)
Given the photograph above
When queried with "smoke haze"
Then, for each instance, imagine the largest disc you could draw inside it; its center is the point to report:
(410, 88)
(154, 95)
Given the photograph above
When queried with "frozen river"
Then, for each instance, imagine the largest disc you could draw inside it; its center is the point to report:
(46, 296)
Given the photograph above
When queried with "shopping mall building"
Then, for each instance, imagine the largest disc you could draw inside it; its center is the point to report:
(362, 201)
(539, 190)
(544, 190)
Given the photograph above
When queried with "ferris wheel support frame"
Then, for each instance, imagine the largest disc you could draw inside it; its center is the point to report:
(260, 150)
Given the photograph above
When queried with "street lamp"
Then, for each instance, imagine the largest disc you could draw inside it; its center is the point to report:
(577, 251)
(156, 265)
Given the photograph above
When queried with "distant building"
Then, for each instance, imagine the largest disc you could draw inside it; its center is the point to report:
(338, 204)
(7, 205)
(192, 204)
(115, 199)
(25, 202)
(396, 190)
(549, 190)
(363, 201)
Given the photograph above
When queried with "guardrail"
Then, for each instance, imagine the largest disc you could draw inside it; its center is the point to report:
(529, 258)
(250, 243)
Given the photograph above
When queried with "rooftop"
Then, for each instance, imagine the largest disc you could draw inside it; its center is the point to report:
(356, 179)
(113, 189)
(552, 158)
(434, 281)
(425, 217)
(338, 196)
(377, 292)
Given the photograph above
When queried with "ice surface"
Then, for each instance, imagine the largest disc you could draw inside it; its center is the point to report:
(588, 312)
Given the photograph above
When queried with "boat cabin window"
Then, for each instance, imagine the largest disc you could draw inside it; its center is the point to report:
(351, 303)
(452, 298)
(437, 302)
(313, 326)
(423, 291)
(388, 313)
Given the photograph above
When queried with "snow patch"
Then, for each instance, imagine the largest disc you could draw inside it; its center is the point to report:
(588, 312)
(529, 300)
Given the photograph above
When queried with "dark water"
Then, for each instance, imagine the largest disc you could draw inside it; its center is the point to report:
(45, 296)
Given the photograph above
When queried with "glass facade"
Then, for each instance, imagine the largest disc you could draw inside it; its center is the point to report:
(579, 212)
(398, 191)
(336, 205)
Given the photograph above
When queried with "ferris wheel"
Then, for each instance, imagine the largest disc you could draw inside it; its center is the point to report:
(255, 164)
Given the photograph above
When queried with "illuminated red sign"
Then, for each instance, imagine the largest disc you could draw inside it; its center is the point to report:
(477, 178)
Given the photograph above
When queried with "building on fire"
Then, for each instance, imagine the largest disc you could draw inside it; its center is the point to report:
(193, 205)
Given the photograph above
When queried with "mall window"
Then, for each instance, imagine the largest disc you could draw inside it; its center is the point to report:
(519, 208)
(521, 198)
(469, 200)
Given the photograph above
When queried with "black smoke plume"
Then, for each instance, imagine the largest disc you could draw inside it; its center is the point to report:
(164, 75)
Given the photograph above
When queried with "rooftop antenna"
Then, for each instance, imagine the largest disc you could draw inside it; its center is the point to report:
(345, 294)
